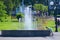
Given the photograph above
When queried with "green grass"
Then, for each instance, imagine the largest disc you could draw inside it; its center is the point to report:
(15, 25)
(10, 25)
(51, 24)
(7, 26)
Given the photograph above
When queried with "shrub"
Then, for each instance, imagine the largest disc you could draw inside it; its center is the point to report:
(3, 18)
(19, 15)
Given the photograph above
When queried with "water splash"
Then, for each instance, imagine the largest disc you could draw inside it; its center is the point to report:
(28, 18)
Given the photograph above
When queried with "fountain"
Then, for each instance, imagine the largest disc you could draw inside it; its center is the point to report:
(28, 18)
(29, 30)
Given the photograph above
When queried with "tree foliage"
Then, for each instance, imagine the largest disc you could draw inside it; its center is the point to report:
(11, 5)
(2, 11)
(7, 6)
(2, 8)
(40, 7)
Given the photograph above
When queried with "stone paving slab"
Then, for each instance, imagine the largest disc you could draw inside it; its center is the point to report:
(23, 38)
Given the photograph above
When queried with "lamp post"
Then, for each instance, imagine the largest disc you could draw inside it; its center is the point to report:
(52, 3)
(55, 16)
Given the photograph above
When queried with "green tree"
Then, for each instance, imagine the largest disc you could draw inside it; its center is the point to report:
(11, 5)
(40, 7)
(2, 11)
(8, 6)
(45, 8)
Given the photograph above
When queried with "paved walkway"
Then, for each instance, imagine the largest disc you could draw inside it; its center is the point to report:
(55, 37)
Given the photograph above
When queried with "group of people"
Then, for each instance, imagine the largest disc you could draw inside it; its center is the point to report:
(37, 14)
(40, 13)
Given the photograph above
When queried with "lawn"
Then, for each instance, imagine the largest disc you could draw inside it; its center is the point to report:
(15, 25)
(51, 24)
(8, 25)
(11, 25)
